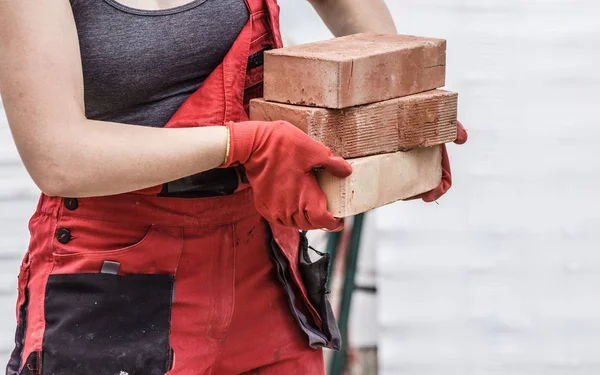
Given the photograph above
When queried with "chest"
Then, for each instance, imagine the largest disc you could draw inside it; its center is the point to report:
(142, 52)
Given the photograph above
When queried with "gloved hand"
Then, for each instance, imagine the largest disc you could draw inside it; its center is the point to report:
(446, 183)
(278, 159)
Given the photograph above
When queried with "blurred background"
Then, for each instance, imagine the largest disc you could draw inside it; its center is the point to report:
(503, 276)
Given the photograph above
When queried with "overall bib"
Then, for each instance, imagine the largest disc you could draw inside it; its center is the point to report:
(184, 278)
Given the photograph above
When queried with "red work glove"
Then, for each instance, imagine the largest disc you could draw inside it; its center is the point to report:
(279, 159)
(446, 183)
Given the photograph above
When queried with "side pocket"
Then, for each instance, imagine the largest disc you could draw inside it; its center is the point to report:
(16, 358)
(315, 276)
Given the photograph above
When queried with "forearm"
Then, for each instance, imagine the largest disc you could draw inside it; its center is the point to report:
(93, 158)
(345, 17)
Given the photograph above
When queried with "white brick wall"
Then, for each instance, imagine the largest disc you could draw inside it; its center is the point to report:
(504, 276)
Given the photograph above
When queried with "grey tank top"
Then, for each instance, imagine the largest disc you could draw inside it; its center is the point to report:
(139, 66)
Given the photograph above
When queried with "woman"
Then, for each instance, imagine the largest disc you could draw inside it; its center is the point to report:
(149, 252)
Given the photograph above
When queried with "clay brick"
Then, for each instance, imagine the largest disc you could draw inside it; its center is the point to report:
(382, 179)
(354, 70)
(420, 120)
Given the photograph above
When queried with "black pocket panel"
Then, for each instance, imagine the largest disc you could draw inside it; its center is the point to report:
(105, 324)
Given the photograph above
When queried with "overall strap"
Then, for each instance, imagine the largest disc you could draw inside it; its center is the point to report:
(242, 72)
(273, 8)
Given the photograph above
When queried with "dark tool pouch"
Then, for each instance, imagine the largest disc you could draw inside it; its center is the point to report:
(315, 276)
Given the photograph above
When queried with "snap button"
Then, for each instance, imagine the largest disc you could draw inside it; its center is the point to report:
(63, 235)
(71, 203)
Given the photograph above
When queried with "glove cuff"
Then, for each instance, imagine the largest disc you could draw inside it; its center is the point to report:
(240, 140)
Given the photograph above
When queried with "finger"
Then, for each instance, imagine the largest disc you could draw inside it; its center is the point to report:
(315, 208)
(338, 229)
(446, 162)
(446, 182)
(276, 219)
(337, 166)
(462, 135)
(286, 222)
(322, 157)
(321, 219)
(301, 221)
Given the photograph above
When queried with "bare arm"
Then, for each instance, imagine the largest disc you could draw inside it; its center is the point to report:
(344, 17)
(41, 84)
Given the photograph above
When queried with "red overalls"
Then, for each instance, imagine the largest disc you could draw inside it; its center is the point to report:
(146, 284)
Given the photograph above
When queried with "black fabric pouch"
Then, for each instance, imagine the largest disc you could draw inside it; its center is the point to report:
(316, 338)
(107, 324)
(315, 276)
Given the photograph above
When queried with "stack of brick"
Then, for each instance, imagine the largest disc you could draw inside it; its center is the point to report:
(375, 101)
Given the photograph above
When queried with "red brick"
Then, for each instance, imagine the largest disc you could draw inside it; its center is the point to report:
(420, 120)
(354, 70)
(382, 179)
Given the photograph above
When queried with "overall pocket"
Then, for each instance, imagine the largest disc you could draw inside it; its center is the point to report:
(109, 311)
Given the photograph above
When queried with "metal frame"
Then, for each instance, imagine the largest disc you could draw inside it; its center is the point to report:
(339, 358)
